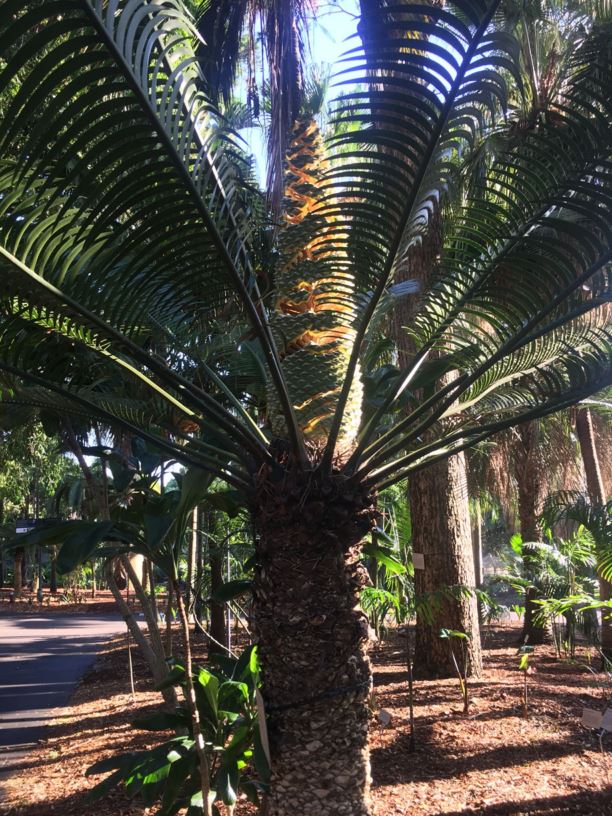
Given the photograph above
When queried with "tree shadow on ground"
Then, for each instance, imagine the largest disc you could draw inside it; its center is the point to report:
(116, 802)
(427, 764)
(585, 803)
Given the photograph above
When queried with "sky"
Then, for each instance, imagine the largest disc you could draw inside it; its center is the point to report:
(334, 23)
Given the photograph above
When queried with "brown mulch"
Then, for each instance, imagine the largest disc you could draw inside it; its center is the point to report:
(62, 603)
(493, 762)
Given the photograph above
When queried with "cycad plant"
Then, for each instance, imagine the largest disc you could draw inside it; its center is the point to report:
(131, 238)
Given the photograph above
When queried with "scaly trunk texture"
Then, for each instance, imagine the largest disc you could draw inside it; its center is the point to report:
(529, 485)
(441, 533)
(597, 495)
(312, 639)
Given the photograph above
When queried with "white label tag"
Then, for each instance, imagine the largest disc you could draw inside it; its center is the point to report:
(418, 560)
(606, 720)
(591, 718)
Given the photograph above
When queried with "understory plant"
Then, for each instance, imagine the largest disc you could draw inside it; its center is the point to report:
(170, 773)
(525, 652)
(552, 570)
(460, 658)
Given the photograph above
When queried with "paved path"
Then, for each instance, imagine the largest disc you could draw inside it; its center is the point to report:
(41, 660)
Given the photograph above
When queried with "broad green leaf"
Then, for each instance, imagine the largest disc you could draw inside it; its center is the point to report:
(386, 557)
(232, 589)
(162, 721)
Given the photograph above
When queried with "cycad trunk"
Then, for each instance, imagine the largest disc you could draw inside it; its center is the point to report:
(312, 638)
(597, 495)
(441, 533)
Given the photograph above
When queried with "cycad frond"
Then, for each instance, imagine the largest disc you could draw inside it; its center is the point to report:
(127, 211)
(525, 262)
(125, 150)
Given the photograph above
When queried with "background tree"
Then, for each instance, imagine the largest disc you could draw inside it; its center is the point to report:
(32, 464)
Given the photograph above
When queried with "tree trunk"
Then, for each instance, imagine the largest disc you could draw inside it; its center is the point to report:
(191, 562)
(53, 570)
(156, 663)
(18, 560)
(597, 496)
(192, 703)
(529, 486)
(312, 640)
(588, 450)
(441, 533)
(477, 546)
(439, 506)
(218, 623)
(198, 607)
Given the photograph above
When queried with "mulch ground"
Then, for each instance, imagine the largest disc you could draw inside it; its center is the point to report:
(62, 603)
(492, 762)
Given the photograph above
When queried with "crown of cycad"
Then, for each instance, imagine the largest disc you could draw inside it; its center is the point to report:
(315, 309)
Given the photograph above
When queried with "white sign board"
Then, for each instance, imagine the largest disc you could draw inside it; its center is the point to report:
(591, 718)
(418, 560)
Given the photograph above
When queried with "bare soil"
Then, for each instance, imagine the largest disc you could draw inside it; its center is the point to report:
(492, 762)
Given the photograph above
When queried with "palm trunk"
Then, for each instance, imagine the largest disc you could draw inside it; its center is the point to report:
(441, 533)
(312, 640)
(529, 485)
(218, 623)
(439, 508)
(597, 495)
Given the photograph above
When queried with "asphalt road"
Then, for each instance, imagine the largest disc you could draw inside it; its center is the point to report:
(41, 660)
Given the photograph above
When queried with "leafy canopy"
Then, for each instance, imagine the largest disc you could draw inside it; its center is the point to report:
(140, 286)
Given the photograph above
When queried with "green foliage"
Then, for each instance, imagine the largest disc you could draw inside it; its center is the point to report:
(31, 466)
(525, 654)
(226, 701)
(556, 569)
(591, 519)
(131, 235)
(143, 520)
(460, 658)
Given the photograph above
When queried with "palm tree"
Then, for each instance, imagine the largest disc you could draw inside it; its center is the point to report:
(129, 232)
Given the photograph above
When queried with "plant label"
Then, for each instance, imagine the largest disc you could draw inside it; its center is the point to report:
(591, 718)
(384, 717)
(606, 720)
(418, 560)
